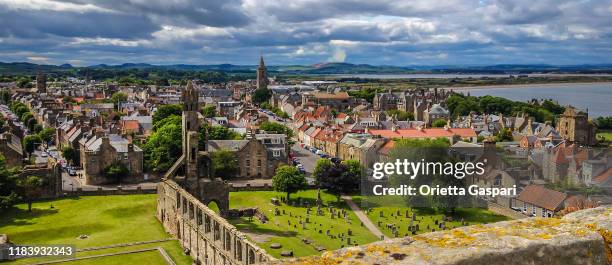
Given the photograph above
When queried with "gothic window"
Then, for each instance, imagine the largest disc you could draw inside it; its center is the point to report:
(199, 216)
(498, 180)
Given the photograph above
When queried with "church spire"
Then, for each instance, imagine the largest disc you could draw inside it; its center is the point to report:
(262, 79)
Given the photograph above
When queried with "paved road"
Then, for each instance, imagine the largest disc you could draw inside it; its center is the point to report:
(307, 158)
(363, 217)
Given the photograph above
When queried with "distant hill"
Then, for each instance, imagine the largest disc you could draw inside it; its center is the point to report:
(315, 69)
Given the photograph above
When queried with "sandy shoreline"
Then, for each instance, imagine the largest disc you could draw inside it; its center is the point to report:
(466, 88)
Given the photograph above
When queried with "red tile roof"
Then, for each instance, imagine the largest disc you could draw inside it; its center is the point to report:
(131, 125)
(542, 197)
(424, 133)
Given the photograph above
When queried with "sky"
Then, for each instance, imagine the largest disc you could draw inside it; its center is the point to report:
(377, 32)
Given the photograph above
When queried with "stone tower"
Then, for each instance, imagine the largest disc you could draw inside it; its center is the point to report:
(191, 129)
(41, 83)
(262, 79)
(574, 126)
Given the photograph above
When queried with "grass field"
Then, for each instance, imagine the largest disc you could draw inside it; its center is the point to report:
(277, 230)
(605, 135)
(106, 220)
(426, 217)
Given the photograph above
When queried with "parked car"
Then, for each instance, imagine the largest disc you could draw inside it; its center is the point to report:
(335, 160)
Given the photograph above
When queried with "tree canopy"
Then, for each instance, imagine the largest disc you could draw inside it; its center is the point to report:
(274, 127)
(288, 179)
(165, 111)
(261, 95)
(224, 164)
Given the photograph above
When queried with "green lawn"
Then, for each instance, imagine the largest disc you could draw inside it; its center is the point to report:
(106, 220)
(605, 135)
(277, 230)
(149, 257)
(390, 206)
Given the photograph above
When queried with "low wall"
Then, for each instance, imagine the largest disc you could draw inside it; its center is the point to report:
(104, 192)
(582, 237)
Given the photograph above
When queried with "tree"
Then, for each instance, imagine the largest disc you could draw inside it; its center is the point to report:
(321, 168)
(604, 123)
(276, 128)
(439, 123)
(172, 119)
(288, 179)
(30, 142)
(69, 154)
(163, 148)
(5, 96)
(400, 114)
(209, 111)
(504, 135)
(224, 163)
(165, 111)
(261, 95)
(338, 178)
(118, 97)
(8, 195)
(116, 172)
(47, 135)
(31, 187)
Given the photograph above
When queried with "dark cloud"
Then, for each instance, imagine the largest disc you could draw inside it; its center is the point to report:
(398, 32)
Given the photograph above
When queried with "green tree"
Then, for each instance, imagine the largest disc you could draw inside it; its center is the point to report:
(288, 179)
(339, 178)
(30, 142)
(439, 123)
(209, 111)
(69, 154)
(116, 172)
(224, 164)
(401, 115)
(118, 97)
(165, 111)
(504, 135)
(163, 148)
(8, 186)
(47, 135)
(321, 168)
(5, 96)
(274, 127)
(31, 188)
(261, 95)
(604, 123)
(172, 119)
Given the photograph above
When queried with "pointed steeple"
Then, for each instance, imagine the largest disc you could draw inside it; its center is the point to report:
(262, 78)
(261, 62)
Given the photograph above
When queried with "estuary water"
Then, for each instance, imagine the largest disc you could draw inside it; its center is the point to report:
(594, 97)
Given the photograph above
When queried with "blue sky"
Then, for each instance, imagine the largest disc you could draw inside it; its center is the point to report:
(384, 32)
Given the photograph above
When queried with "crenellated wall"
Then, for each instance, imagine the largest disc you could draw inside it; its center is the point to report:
(209, 238)
(582, 237)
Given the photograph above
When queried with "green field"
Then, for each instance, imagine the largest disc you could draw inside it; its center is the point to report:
(390, 206)
(606, 135)
(277, 230)
(106, 220)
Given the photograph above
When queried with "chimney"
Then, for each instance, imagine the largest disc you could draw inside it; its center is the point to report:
(130, 147)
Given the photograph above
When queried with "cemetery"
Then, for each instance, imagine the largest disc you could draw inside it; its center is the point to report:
(300, 226)
(394, 219)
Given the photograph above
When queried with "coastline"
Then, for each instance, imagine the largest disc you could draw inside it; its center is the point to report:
(468, 88)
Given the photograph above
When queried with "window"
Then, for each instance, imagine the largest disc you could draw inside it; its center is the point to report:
(543, 213)
(533, 210)
(498, 180)
(248, 163)
(258, 163)
(524, 207)
(276, 153)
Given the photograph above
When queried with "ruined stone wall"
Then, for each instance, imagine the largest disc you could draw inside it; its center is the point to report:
(582, 237)
(209, 238)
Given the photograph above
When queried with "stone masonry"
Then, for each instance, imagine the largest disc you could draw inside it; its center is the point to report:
(582, 237)
(209, 238)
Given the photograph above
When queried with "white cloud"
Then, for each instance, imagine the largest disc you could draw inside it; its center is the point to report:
(52, 6)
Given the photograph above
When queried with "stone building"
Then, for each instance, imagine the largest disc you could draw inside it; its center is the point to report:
(574, 126)
(257, 157)
(41, 83)
(262, 78)
(99, 151)
(434, 113)
(10, 147)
